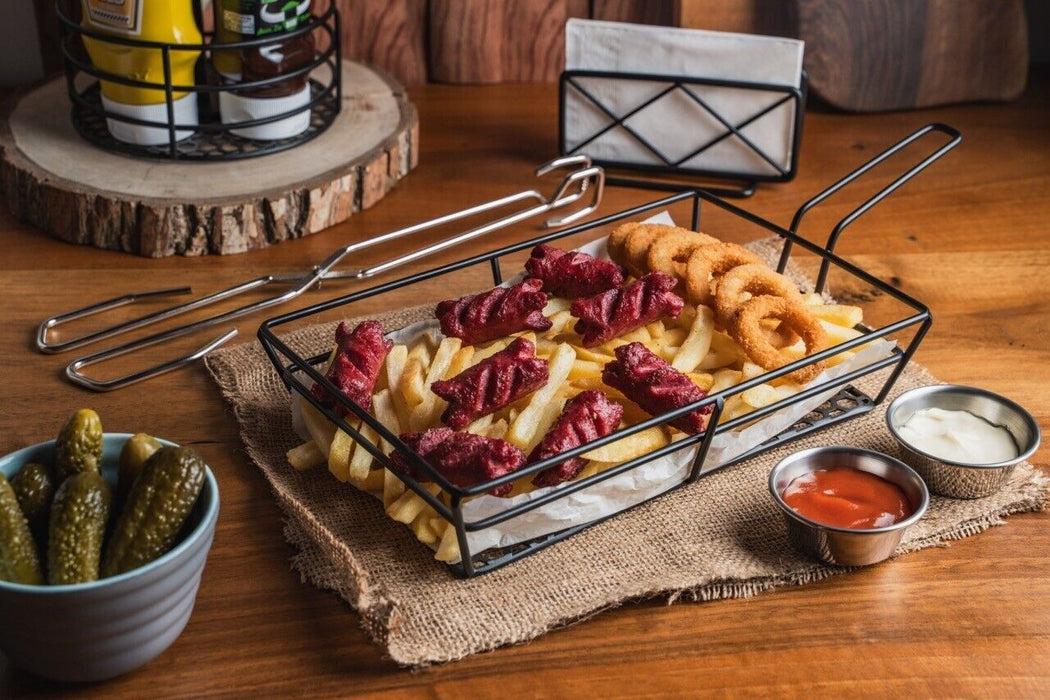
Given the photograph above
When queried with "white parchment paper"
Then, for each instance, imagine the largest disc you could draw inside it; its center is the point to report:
(676, 124)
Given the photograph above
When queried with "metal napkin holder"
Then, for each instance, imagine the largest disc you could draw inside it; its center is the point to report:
(571, 82)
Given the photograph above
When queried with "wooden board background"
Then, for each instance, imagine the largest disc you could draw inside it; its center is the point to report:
(860, 54)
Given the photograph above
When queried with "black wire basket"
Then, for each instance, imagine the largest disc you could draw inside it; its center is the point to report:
(208, 139)
(910, 317)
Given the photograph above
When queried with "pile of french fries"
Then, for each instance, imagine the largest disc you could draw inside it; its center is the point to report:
(403, 401)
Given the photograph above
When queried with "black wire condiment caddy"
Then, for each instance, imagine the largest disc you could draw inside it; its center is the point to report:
(300, 373)
(212, 139)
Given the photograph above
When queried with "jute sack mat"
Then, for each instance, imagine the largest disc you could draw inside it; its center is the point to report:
(721, 537)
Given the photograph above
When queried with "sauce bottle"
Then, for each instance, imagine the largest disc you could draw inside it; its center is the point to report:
(167, 21)
(240, 20)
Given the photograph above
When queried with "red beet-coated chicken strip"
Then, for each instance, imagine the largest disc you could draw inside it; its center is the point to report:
(646, 379)
(358, 358)
(572, 274)
(464, 459)
(477, 318)
(492, 383)
(588, 416)
(614, 312)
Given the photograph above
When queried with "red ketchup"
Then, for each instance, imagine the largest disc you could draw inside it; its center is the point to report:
(847, 498)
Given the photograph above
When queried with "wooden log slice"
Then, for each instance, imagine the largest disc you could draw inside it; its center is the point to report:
(54, 179)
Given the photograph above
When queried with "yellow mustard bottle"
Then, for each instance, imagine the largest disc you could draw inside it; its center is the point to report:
(165, 21)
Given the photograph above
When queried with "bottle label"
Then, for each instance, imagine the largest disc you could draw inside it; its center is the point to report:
(275, 16)
(124, 16)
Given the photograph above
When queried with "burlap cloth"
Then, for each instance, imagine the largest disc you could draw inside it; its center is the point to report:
(721, 537)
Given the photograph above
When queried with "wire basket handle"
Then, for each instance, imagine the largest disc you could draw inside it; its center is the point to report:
(954, 138)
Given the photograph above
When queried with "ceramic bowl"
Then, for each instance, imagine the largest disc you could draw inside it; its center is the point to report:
(959, 479)
(847, 546)
(98, 630)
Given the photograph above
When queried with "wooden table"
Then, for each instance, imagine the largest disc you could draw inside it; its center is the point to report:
(969, 237)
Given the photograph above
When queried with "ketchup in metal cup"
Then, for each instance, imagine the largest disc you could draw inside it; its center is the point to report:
(847, 498)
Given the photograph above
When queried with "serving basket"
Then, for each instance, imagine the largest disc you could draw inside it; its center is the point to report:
(907, 323)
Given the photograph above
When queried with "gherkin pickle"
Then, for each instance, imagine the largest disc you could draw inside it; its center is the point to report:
(159, 503)
(34, 488)
(19, 561)
(78, 523)
(79, 445)
(133, 456)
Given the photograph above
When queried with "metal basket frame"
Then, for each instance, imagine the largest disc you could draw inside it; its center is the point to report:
(213, 140)
(299, 373)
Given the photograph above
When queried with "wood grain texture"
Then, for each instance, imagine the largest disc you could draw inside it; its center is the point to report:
(770, 17)
(390, 35)
(636, 11)
(491, 41)
(968, 237)
(876, 55)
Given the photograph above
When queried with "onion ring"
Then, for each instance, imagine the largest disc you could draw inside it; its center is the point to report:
(755, 279)
(669, 253)
(636, 250)
(618, 240)
(748, 333)
(711, 262)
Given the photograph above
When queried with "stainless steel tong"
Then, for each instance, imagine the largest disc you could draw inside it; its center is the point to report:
(585, 180)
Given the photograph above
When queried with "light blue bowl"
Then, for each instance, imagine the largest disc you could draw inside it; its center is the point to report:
(98, 630)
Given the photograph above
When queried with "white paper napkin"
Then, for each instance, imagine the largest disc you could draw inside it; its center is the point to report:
(676, 124)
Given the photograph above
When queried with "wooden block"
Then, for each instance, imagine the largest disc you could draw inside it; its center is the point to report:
(875, 55)
(389, 34)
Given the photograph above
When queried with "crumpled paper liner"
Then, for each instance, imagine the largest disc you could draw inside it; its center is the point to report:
(722, 537)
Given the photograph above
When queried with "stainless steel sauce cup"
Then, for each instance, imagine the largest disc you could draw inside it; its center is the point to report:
(847, 546)
(959, 479)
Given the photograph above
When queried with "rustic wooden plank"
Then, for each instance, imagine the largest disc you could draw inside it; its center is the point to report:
(874, 55)
(771, 17)
(490, 41)
(388, 34)
(637, 11)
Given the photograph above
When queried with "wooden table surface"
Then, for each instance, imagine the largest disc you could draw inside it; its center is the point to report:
(970, 237)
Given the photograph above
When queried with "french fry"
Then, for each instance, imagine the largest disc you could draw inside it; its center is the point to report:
(704, 380)
(497, 430)
(838, 314)
(393, 487)
(394, 367)
(408, 505)
(839, 334)
(723, 379)
(426, 413)
(629, 447)
(339, 455)
(460, 361)
(592, 355)
(448, 549)
(385, 413)
(421, 527)
(585, 369)
(527, 429)
(481, 353)
(556, 304)
(305, 456)
(320, 428)
(478, 425)
(412, 385)
(361, 461)
(760, 396)
(750, 370)
(559, 323)
(697, 343)
(373, 483)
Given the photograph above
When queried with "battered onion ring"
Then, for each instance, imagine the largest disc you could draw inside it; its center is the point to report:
(748, 333)
(755, 279)
(711, 262)
(639, 240)
(670, 252)
(618, 240)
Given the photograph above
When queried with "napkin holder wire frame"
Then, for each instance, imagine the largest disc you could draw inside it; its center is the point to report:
(299, 373)
(748, 181)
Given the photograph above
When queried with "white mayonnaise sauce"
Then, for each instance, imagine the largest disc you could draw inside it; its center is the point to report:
(958, 436)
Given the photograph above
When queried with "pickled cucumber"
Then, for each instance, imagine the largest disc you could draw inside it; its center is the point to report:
(79, 445)
(133, 456)
(34, 488)
(78, 523)
(158, 505)
(19, 561)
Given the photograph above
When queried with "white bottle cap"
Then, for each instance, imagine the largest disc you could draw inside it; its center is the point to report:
(184, 109)
(238, 108)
